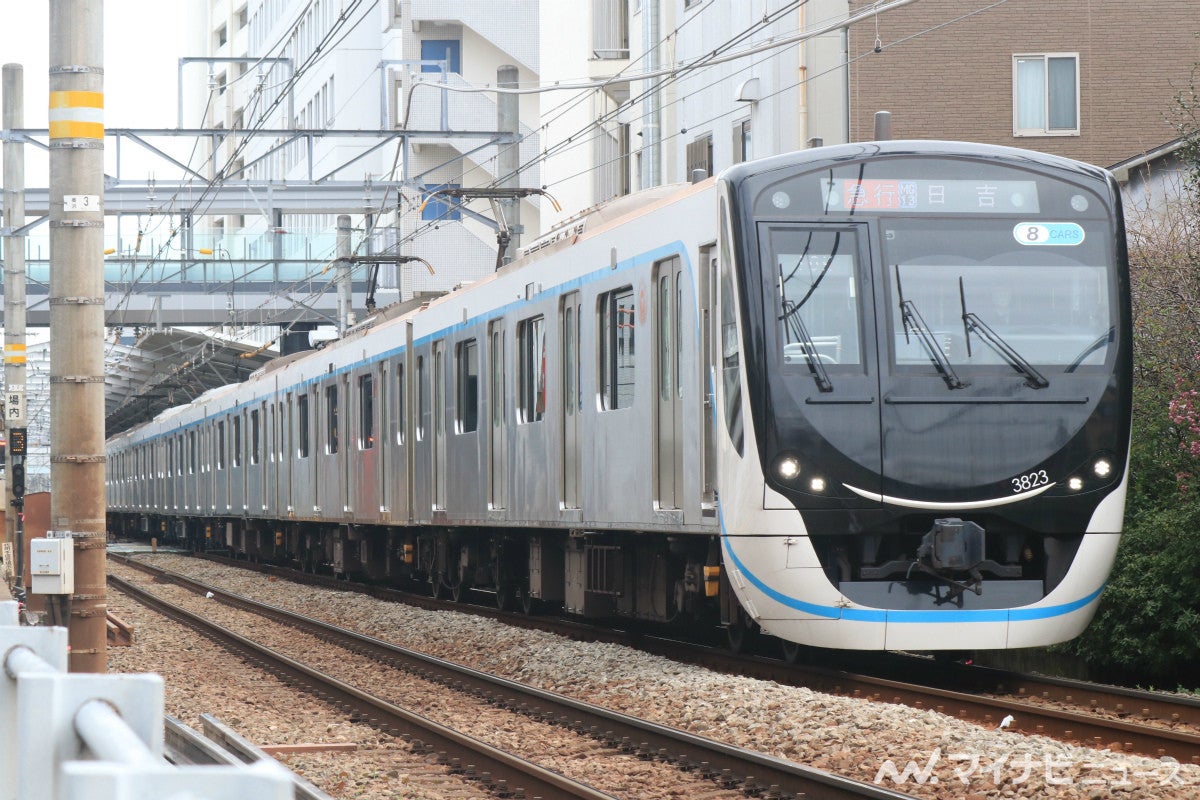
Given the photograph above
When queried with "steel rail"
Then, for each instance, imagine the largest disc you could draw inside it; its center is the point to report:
(729, 766)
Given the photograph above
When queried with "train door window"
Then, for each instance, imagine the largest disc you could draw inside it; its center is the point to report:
(255, 437)
(617, 349)
(366, 411)
(496, 374)
(191, 452)
(420, 428)
(400, 403)
(302, 436)
(236, 458)
(816, 279)
(731, 350)
(466, 360)
(219, 454)
(170, 457)
(331, 419)
(531, 369)
(271, 432)
(497, 430)
(281, 420)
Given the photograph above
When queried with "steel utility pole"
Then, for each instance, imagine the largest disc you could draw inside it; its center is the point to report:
(77, 502)
(14, 303)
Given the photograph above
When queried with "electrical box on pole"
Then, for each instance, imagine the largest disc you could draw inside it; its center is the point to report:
(52, 565)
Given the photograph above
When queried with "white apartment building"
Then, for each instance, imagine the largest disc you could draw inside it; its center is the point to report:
(723, 94)
(734, 79)
(323, 75)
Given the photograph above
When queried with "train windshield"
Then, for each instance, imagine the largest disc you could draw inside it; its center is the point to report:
(989, 300)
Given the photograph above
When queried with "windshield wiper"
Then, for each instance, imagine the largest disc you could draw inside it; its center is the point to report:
(791, 318)
(973, 324)
(1108, 337)
(914, 323)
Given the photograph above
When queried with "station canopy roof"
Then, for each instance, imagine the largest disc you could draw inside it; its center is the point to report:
(169, 367)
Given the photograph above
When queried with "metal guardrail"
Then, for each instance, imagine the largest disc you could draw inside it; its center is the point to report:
(98, 737)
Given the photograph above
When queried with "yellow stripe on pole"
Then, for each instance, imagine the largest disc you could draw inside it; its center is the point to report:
(76, 115)
(14, 354)
(77, 99)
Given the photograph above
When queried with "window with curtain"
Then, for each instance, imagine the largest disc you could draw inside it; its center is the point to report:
(1046, 94)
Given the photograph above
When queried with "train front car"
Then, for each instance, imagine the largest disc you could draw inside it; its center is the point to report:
(925, 388)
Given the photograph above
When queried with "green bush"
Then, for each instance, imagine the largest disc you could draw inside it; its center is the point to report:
(1148, 627)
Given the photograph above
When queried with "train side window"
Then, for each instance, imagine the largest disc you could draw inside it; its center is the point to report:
(331, 419)
(302, 436)
(531, 369)
(467, 386)
(366, 412)
(617, 320)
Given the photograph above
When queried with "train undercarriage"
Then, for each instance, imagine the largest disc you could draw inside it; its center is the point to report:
(657, 578)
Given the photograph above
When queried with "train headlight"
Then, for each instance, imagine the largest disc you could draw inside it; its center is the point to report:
(817, 485)
(1075, 484)
(1102, 468)
(787, 468)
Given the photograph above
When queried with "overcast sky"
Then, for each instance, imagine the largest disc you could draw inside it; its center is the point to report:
(143, 42)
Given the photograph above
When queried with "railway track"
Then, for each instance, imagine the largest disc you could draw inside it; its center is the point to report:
(750, 773)
(1095, 715)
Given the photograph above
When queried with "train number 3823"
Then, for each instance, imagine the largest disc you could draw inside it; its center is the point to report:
(1023, 483)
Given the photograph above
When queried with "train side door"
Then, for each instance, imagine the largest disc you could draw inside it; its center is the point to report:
(572, 400)
(668, 344)
(497, 486)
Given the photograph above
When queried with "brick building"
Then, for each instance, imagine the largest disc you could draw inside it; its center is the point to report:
(1094, 80)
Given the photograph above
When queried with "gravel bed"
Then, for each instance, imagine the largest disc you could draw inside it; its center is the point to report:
(917, 751)
(579, 757)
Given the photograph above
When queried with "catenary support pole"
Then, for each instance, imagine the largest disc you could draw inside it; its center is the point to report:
(14, 294)
(508, 155)
(77, 502)
(345, 313)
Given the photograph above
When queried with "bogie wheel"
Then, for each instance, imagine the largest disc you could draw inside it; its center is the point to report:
(741, 632)
(505, 596)
(529, 603)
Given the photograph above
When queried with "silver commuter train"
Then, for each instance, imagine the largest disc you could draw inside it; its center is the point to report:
(791, 399)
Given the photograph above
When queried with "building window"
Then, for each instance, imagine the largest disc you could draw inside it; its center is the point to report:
(610, 29)
(440, 207)
(448, 50)
(617, 356)
(331, 419)
(531, 369)
(700, 156)
(741, 141)
(1046, 95)
(366, 412)
(466, 386)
